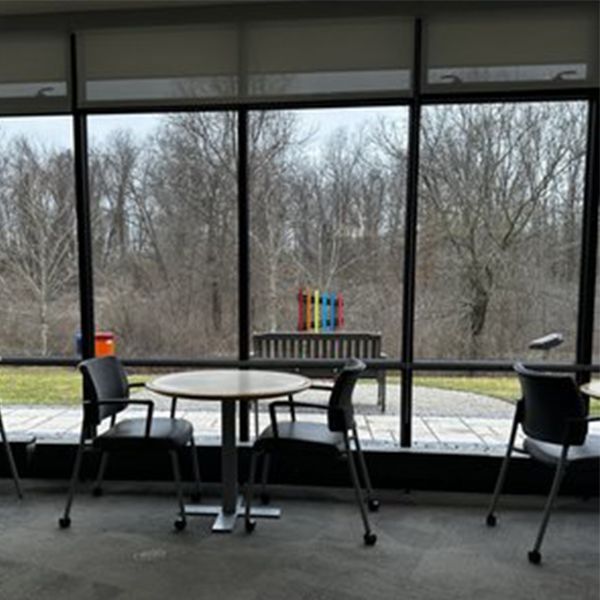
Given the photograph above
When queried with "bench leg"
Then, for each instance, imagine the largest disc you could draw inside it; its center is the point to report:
(381, 390)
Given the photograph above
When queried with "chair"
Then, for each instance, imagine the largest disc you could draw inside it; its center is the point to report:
(9, 457)
(552, 415)
(329, 439)
(109, 395)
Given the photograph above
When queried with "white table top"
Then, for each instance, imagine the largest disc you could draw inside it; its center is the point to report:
(228, 384)
(591, 389)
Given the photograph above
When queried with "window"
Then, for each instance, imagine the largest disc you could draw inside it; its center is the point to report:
(327, 216)
(499, 242)
(164, 222)
(39, 313)
(501, 194)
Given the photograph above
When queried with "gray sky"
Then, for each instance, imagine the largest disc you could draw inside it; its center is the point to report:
(56, 131)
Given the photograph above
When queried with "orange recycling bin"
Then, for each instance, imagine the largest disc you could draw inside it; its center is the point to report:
(104, 343)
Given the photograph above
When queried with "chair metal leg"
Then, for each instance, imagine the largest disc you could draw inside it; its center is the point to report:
(256, 424)
(372, 502)
(198, 493)
(491, 517)
(292, 407)
(181, 522)
(65, 520)
(10, 458)
(369, 537)
(264, 496)
(535, 555)
(249, 523)
(97, 490)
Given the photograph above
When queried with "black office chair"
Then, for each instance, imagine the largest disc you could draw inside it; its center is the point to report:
(552, 415)
(109, 389)
(331, 438)
(9, 457)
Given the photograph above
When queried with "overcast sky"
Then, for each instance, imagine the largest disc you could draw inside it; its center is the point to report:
(56, 131)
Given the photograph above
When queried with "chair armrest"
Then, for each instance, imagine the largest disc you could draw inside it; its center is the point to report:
(127, 402)
(321, 387)
(285, 403)
(150, 405)
(136, 384)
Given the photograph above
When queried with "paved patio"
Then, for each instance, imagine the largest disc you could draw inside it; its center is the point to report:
(442, 419)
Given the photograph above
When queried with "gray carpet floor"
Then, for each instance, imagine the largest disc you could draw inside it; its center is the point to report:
(430, 546)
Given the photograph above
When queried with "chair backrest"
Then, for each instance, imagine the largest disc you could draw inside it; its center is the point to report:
(549, 401)
(106, 380)
(340, 413)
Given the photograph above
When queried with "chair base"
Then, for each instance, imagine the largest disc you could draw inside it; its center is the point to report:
(370, 539)
(373, 505)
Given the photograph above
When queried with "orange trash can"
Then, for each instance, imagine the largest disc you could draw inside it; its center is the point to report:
(104, 343)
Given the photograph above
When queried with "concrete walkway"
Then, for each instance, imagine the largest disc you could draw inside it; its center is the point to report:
(442, 418)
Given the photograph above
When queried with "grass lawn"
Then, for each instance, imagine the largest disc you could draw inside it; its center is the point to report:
(42, 385)
(503, 387)
(62, 386)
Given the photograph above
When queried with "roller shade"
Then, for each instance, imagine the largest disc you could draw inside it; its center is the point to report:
(171, 65)
(233, 62)
(324, 57)
(549, 47)
(33, 72)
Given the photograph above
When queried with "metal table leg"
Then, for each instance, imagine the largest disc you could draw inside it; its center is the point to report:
(232, 505)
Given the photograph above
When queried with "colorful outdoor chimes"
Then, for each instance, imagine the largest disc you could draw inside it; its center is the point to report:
(320, 311)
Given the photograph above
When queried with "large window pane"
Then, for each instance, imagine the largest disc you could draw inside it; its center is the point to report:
(164, 210)
(327, 214)
(501, 195)
(499, 242)
(38, 249)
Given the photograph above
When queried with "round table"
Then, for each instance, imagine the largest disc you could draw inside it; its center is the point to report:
(591, 389)
(228, 386)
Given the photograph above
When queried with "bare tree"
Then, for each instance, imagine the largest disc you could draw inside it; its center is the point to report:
(37, 227)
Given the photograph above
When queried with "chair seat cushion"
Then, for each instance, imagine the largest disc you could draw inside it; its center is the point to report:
(164, 434)
(301, 437)
(550, 453)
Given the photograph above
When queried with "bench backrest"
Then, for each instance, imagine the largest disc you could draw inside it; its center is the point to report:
(317, 345)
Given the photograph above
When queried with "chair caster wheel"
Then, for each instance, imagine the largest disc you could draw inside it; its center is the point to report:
(491, 520)
(373, 504)
(535, 558)
(370, 538)
(97, 492)
(64, 522)
(195, 498)
(265, 499)
(180, 524)
(250, 526)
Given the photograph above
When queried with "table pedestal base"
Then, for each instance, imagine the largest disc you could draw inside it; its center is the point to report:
(225, 522)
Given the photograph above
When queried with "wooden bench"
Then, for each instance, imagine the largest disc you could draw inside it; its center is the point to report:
(326, 345)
